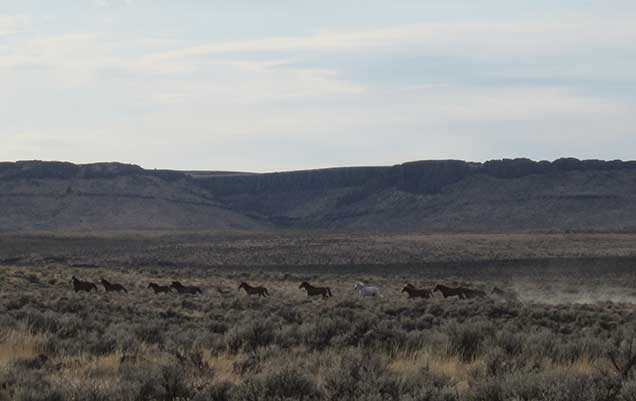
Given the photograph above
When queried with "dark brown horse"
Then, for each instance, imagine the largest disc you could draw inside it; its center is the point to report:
(417, 292)
(186, 289)
(314, 291)
(260, 291)
(79, 285)
(159, 289)
(112, 287)
(450, 292)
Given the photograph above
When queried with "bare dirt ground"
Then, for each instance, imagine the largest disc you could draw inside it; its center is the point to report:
(564, 330)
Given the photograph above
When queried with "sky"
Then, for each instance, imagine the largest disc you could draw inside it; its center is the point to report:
(270, 85)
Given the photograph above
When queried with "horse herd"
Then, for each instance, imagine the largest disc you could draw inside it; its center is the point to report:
(312, 291)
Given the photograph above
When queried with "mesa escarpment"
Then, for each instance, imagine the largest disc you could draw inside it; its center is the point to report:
(424, 196)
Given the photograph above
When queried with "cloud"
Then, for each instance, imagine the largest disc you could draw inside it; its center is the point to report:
(13, 24)
(469, 89)
(509, 37)
(112, 3)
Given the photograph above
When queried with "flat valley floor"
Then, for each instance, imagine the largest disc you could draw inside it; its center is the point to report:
(563, 329)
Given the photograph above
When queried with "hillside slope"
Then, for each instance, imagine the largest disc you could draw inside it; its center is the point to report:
(427, 196)
(107, 196)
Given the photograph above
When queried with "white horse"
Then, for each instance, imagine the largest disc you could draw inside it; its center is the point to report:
(367, 291)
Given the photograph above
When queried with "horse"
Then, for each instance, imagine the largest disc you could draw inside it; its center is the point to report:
(249, 290)
(111, 287)
(185, 289)
(313, 291)
(450, 292)
(79, 285)
(367, 291)
(417, 292)
(158, 289)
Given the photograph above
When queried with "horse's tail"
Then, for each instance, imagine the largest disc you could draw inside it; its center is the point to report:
(329, 292)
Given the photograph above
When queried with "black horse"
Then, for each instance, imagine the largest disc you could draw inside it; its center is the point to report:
(79, 285)
(450, 292)
(159, 289)
(260, 291)
(314, 291)
(417, 292)
(112, 287)
(186, 289)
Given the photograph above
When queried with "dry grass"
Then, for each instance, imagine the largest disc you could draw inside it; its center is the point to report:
(223, 367)
(110, 342)
(20, 343)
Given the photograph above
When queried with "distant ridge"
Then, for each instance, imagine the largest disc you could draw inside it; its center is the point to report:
(422, 196)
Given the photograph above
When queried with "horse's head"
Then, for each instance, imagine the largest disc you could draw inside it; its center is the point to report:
(103, 281)
(242, 285)
(437, 288)
(74, 278)
(304, 284)
(358, 285)
(406, 288)
(176, 284)
(152, 285)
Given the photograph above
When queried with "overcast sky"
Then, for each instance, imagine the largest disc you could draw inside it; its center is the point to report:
(264, 85)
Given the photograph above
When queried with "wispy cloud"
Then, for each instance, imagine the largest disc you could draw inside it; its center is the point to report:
(536, 36)
(470, 88)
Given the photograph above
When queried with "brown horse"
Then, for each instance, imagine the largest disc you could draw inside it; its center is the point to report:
(417, 292)
(186, 289)
(314, 291)
(450, 292)
(111, 287)
(260, 291)
(159, 289)
(79, 285)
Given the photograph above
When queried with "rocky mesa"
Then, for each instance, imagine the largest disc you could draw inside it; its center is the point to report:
(509, 195)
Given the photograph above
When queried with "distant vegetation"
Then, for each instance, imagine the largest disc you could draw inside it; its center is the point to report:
(56, 344)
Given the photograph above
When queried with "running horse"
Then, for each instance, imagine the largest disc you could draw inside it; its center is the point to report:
(112, 287)
(79, 285)
(314, 291)
(249, 290)
(366, 290)
(185, 289)
(414, 292)
(450, 292)
(159, 289)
